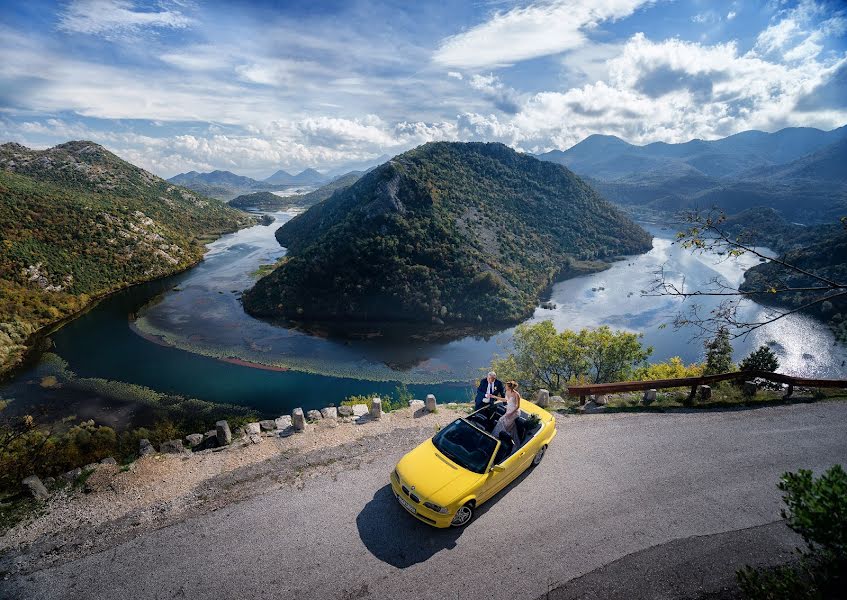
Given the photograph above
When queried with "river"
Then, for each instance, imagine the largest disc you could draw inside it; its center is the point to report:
(188, 334)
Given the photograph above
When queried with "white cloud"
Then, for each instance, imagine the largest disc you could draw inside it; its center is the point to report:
(731, 15)
(522, 33)
(111, 18)
(502, 96)
(454, 75)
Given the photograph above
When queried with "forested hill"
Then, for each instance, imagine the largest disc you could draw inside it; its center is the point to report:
(824, 253)
(453, 232)
(76, 222)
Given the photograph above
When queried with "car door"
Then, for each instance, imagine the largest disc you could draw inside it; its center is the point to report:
(497, 480)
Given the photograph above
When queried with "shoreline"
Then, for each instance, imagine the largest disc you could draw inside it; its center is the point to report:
(32, 352)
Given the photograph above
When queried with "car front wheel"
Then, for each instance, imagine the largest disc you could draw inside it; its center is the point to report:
(539, 455)
(463, 516)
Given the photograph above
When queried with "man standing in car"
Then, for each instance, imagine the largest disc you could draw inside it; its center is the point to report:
(488, 386)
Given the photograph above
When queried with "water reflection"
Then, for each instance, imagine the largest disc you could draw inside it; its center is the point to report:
(204, 315)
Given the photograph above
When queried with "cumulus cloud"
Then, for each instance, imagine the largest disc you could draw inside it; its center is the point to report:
(502, 96)
(522, 33)
(114, 18)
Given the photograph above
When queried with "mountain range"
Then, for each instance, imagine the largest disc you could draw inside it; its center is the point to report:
(223, 185)
(746, 170)
(453, 233)
(77, 222)
(305, 177)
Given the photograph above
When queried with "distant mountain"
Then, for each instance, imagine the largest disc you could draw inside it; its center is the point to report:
(214, 178)
(736, 173)
(325, 191)
(362, 165)
(222, 185)
(77, 222)
(461, 233)
(306, 177)
(609, 158)
(269, 201)
(826, 164)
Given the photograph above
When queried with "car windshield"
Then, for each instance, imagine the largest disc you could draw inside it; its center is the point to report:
(465, 445)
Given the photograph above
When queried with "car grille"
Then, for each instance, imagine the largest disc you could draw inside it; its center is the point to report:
(412, 496)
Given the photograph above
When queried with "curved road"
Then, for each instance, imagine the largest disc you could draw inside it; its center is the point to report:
(613, 490)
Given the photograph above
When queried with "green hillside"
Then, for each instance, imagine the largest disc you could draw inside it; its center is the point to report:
(452, 232)
(77, 222)
(824, 253)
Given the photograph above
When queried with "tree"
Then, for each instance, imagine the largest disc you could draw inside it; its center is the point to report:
(801, 288)
(543, 357)
(718, 353)
(761, 359)
(612, 355)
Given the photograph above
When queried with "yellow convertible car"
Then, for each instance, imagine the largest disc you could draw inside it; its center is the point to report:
(444, 480)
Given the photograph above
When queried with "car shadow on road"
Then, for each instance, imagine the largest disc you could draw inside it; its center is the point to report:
(399, 539)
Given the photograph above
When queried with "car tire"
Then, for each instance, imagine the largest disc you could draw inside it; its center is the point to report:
(538, 456)
(463, 516)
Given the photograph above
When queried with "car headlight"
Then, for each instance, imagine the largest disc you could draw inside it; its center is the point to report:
(435, 507)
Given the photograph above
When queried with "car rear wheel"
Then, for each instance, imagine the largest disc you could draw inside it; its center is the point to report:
(539, 455)
(463, 516)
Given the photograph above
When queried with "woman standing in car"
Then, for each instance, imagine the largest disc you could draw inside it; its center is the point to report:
(513, 406)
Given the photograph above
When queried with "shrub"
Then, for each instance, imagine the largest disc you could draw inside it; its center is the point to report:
(816, 508)
(761, 359)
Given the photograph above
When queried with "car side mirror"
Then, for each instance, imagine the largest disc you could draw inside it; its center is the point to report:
(496, 469)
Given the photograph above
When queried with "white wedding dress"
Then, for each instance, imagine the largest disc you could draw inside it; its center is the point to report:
(507, 421)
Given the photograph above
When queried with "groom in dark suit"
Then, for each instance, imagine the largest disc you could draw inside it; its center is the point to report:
(489, 386)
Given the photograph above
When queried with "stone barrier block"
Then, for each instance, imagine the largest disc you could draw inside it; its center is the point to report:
(194, 439)
(223, 432)
(750, 388)
(145, 447)
(542, 398)
(360, 410)
(431, 404)
(252, 429)
(267, 425)
(649, 396)
(330, 412)
(376, 408)
(705, 392)
(36, 489)
(298, 420)
(345, 411)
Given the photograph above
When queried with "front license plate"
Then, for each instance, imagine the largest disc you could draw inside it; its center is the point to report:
(407, 506)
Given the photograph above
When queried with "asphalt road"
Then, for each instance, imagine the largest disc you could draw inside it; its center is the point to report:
(612, 491)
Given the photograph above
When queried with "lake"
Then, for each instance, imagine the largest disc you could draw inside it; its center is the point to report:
(188, 334)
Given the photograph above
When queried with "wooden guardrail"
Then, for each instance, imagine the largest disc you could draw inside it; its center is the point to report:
(694, 382)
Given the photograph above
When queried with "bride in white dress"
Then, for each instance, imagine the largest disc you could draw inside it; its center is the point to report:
(513, 406)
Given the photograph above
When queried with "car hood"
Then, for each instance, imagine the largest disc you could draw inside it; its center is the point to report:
(435, 477)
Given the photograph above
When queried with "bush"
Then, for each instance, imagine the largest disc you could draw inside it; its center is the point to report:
(761, 359)
(816, 508)
(388, 404)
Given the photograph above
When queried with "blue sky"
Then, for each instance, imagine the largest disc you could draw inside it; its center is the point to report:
(179, 85)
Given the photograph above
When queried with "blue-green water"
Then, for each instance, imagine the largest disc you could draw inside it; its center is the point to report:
(175, 335)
